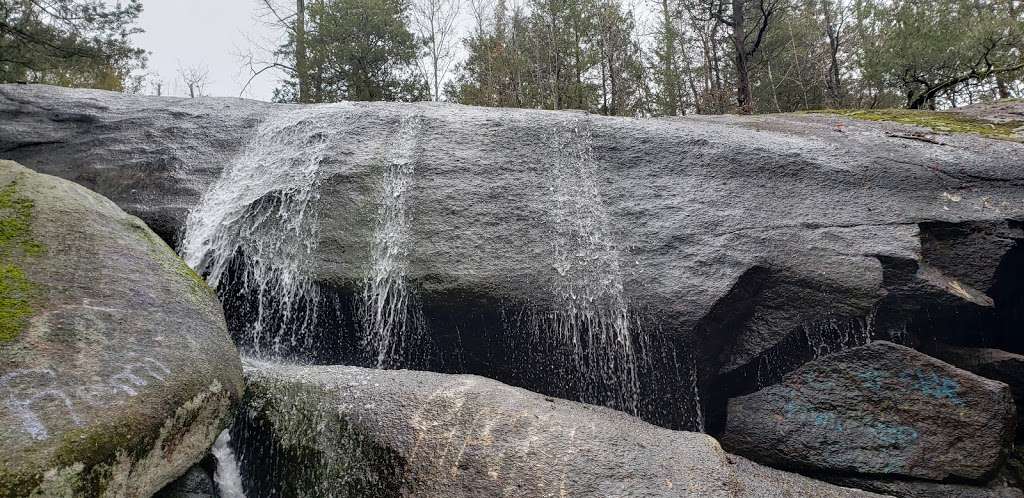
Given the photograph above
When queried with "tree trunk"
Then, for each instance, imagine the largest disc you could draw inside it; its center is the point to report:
(669, 75)
(434, 56)
(744, 98)
(301, 72)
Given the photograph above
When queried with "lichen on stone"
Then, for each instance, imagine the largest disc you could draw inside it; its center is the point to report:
(16, 289)
(940, 121)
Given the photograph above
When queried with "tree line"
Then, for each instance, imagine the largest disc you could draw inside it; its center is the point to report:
(660, 57)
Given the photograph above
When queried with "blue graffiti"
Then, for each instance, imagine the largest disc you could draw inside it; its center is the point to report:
(896, 435)
(900, 436)
(934, 385)
(872, 379)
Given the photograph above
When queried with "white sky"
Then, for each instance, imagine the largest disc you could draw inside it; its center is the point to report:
(207, 33)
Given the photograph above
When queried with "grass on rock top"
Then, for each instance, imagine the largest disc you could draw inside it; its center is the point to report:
(16, 291)
(940, 121)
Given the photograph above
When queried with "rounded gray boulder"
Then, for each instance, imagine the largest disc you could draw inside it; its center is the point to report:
(116, 368)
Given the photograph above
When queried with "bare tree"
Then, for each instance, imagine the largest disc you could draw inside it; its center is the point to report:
(263, 56)
(834, 17)
(301, 67)
(750, 21)
(195, 79)
(434, 22)
(156, 83)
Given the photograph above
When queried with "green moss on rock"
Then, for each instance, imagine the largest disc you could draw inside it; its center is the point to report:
(15, 294)
(947, 122)
(16, 290)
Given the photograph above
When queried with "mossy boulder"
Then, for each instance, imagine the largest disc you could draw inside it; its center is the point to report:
(116, 368)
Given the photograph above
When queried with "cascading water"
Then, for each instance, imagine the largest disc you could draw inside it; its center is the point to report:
(227, 476)
(392, 323)
(591, 316)
(262, 212)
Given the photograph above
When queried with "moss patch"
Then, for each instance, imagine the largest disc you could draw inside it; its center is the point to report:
(16, 290)
(15, 310)
(947, 122)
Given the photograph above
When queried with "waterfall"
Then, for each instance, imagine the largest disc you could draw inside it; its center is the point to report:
(391, 323)
(227, 476)
(591, 316)
(262, 210)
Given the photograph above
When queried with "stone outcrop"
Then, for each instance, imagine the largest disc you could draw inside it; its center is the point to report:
(116, 368)
(876, 409)
(743, 245)
(365, 432)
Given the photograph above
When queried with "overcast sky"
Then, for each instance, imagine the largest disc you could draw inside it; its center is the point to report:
(207, 33)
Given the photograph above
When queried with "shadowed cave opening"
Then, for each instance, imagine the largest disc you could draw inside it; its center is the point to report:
(463, 332)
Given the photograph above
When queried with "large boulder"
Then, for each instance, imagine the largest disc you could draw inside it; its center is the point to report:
(349, 431)
(154, 157)
(116, 368)
(876, 409)
(512, 242)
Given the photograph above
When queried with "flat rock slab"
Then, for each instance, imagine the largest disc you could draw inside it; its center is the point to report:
(876, 409)
(116, 368)
(341, 430)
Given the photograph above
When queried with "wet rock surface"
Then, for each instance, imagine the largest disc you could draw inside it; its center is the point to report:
(368, 432)
(154, 157)
(735, 248)
(877, 409)
(116, 368)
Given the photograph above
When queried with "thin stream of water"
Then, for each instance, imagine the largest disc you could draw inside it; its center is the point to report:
(227, 475)
(592, 314)
(391, 320)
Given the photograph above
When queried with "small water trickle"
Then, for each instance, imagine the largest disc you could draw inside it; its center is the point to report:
(698, 409)
(834, 334)
(227, 477)
(262, 209)
(591, 315)
(390, 317)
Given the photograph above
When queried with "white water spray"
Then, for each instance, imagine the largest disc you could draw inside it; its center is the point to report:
(262, 208)
(592, 315)
(227, 476)
(391, 323)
